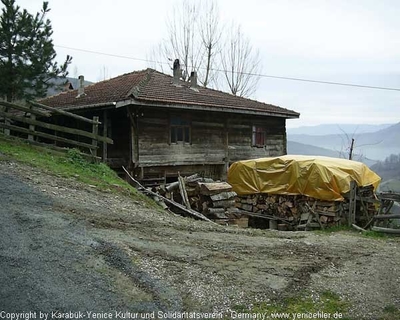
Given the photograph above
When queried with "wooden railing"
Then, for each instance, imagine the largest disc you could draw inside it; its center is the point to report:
(29, 121)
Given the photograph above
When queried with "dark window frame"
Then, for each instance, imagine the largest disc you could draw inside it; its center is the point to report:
(258, 136)
(180, 130)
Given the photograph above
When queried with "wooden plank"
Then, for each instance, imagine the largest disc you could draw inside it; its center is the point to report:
(45, 135)
(55, 127)
(64, 113)
(386, 230)
(214, 188)
(25, 109)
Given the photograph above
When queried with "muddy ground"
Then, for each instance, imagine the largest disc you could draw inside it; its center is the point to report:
(67, 246)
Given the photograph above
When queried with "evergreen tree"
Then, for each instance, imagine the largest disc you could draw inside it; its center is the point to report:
(27, 54)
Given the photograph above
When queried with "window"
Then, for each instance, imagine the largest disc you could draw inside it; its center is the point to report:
(180, 131)
(258, 138)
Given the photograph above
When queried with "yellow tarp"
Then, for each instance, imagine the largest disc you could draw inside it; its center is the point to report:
(317, 177)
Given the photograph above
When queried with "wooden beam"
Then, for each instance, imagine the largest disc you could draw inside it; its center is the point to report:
(134, 138)
(55, 127)
(386, 230)
(183, 192)
(386, 216)
(45, 135)
(24, 109)
(62, 112)
(95, 132)
(358, 228)
(173, 203)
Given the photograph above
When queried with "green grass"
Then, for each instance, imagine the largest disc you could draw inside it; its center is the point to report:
(69, 165)
(327, 302)
(390, 312)
(335, 229)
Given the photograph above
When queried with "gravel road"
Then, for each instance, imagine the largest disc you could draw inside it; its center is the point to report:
(65, 246)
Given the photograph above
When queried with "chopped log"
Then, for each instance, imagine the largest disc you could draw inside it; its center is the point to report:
(173, 203)
(247, 207)
(175, 185)
(215, 210)
(220, 215)
(223, 196)
(214, 188)
(223, 203)
(386, 230)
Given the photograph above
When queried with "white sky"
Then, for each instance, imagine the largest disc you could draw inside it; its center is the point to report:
(352, 41)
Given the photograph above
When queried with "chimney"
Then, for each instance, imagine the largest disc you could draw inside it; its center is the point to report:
(177, 71)
(193, 79)
(81, 88)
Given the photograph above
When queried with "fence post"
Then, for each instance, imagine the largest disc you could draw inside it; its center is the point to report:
(95, 131)
(105, 134)
(31, 126)
(352, 203)
(6, 121)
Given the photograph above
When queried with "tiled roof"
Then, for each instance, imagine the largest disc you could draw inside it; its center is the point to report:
(150, 86)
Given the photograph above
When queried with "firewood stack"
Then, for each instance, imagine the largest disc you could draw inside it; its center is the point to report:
(215, 200)
(291, 212)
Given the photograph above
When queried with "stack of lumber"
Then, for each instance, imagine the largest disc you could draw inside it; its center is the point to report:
(215, 200)
(291, 212)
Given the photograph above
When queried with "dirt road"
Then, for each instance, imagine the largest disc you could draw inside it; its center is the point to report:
(65, 246)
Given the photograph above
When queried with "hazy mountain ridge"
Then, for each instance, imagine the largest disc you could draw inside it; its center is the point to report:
(374, 145)
(309, 150)
(328, 129)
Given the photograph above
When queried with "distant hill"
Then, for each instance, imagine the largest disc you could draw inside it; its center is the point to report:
(373, 145)
(389, 171)
(325, 129)
(309, 150)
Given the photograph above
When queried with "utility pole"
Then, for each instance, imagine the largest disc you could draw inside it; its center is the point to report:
(351, 150)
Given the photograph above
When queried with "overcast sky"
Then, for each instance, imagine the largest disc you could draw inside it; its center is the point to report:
(350, 41)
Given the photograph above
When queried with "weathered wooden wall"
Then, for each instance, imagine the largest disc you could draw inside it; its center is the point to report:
(217, 139)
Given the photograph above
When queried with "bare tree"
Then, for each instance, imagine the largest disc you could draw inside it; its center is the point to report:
(211, 35)
(194, 36)
(183, 42)
(241, 64)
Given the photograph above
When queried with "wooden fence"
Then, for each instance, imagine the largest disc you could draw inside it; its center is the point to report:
(30, 120)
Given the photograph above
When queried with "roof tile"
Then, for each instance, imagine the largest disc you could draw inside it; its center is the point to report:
(150, 86)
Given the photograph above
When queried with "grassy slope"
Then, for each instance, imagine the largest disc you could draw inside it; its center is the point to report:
(70, 165)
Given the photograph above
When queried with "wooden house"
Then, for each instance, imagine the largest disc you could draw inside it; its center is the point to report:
(161, 125)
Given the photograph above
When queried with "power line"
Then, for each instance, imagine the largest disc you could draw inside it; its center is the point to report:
(246, 73)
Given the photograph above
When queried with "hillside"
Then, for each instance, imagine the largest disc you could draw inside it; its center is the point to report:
(76, 246)
(375, 145)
